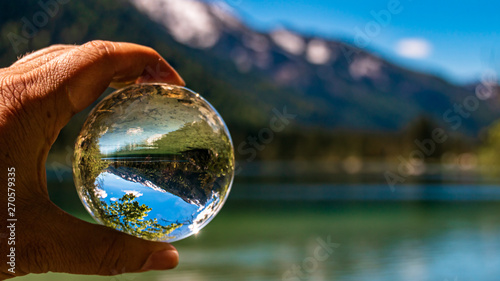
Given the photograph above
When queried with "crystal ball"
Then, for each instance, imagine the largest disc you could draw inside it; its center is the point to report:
(155, 161)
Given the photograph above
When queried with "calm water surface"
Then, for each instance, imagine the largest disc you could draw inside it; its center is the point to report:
(384, 240)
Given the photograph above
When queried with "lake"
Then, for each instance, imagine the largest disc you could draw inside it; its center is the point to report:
(341, 231)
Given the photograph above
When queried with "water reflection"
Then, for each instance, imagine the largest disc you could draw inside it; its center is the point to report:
(387, 241)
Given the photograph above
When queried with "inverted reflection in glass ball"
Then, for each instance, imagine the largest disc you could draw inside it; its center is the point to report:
(155, 161)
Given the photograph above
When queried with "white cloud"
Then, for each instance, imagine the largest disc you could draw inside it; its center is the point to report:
(134, 131)
(133, 192)
(100, 193)
(415, 48)
(153, 138)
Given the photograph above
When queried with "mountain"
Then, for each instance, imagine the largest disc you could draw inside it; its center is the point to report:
(330, 84)
(333, 89)
(187, 190)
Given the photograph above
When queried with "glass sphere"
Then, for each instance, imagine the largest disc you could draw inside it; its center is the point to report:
(155, 161)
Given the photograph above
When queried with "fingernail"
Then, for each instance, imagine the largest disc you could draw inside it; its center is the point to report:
(161, 260)
(183, 83)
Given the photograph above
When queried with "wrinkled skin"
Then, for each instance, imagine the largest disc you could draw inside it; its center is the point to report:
(38, 95)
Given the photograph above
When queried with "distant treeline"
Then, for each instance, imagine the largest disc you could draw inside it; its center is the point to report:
(304, 144)
(311, 144)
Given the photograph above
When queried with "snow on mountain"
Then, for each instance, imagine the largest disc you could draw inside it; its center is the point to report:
(289, 41)
(256, 42)
(365, 67)
(318, 52)
(225, 13)
(204, 25)
(189, 22)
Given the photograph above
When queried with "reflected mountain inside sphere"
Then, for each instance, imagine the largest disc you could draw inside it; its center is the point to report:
(155, 161)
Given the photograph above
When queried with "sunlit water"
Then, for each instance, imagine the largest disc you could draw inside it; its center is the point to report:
(424, 232)
(389, 241)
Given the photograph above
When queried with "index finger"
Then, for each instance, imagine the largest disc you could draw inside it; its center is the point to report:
(86, 71)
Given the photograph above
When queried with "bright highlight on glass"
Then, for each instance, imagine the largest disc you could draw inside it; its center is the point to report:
(155, 161)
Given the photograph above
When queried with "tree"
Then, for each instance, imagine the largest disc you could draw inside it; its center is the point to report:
(128, 216)
(489, 153)
(422, 129)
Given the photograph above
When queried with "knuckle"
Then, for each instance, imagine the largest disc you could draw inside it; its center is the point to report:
(11, 90)
(99, 48)
(21, 101)
(112, 260)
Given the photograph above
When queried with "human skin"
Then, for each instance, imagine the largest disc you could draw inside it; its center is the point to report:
(38, 95)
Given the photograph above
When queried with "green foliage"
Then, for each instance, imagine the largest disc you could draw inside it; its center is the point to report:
(422, 129)
(189, 136)
(489, 153)
(127, 215)
(91, 165)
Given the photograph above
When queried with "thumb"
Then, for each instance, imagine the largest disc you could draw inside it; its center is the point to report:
(75, 246)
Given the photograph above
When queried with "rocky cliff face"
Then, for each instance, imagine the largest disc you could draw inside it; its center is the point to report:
(187, 191)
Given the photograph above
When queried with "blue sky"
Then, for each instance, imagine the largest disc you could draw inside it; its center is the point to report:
(457, 40)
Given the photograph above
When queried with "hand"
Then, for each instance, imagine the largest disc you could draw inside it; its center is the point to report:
(38, 96)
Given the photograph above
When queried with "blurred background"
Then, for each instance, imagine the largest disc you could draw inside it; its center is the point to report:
(385, 163)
